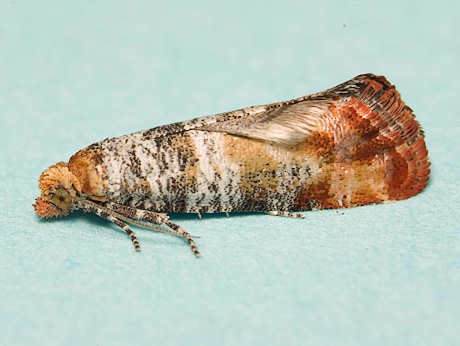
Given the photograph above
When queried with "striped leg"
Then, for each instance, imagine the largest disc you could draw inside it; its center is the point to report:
(107, 214)
(155, 218)
(181, 232)
(125, 228)
(118, 213)
(285, 214)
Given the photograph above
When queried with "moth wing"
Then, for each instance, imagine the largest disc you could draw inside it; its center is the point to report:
(287, 123)
(363, 120)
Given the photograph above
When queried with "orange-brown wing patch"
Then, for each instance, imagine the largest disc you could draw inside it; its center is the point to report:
(375, 150)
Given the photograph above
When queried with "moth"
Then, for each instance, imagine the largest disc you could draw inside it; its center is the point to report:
(355, 144)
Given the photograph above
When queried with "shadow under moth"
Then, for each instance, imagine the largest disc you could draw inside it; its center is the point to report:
(355, 144)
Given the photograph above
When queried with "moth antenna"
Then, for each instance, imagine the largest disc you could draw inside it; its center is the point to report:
(151, 227)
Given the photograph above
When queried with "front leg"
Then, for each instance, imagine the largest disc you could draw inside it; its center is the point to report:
(155, 218)
(125, 228)
(117, 213)
(112, 218)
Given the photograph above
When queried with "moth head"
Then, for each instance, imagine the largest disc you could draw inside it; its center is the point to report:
(59, 190)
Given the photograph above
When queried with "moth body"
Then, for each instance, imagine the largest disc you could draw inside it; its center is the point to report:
(355, 144)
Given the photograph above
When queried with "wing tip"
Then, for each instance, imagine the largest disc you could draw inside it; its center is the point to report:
(379, 102)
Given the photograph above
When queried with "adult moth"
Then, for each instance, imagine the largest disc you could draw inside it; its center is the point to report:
(355, 144)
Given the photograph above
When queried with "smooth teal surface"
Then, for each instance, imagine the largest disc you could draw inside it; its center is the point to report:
(72, 73)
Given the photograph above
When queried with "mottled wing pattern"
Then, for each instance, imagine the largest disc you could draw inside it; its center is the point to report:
(369, 144)
(379, 148)
(355, 144)
(371, 147)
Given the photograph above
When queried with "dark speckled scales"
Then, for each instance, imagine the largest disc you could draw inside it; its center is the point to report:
(355, 144)
(226, 173)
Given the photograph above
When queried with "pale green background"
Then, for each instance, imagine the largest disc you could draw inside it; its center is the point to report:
(75, 72)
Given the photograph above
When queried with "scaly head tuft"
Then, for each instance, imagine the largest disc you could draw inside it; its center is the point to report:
(59, 190)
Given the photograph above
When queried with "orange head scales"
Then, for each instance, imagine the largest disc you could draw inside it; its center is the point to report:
(60, 190)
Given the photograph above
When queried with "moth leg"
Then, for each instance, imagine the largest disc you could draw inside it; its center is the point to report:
(285, 214)
(125, 228)
(155, 218)
(150, 216)
(181, 232)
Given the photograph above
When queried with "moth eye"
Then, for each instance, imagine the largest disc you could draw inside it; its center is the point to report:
(62, 199)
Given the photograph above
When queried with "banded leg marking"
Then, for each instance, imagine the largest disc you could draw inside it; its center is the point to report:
(181, 232)
(125, 228)
(118, 213)
(156, 218)
(106, 215)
